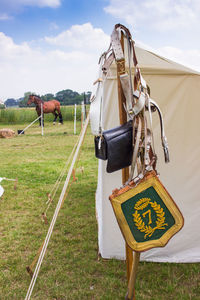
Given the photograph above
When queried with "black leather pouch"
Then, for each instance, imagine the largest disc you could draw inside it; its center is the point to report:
(100, 147)
(119, 147)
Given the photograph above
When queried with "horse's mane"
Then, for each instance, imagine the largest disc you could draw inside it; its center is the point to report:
(37, 96)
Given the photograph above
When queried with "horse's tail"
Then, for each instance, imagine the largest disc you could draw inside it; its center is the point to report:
(57, 105)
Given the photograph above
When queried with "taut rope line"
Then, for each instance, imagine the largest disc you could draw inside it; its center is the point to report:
(49, 202)
(35, 274)
(60, 177)
(29, 125)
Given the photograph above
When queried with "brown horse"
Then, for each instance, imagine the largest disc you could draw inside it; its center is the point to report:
(52, 106)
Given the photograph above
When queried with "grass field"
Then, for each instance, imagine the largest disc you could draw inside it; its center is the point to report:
(71, 268)
(12, 116)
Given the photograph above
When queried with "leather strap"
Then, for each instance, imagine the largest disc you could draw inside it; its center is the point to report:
(125, 82)
(116, 45)
(134, 55)
(119, 55)
(107, 63)
(163, 136)
(136, 143)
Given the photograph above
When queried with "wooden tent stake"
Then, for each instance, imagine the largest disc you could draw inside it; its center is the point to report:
(15, 184)
(44, 218)
(29, 268)
(74, 175)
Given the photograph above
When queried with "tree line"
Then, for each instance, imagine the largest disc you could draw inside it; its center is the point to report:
(65, 97)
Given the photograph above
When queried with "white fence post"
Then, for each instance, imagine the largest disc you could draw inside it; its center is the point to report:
(75, 119)
(82, 114)
(42, 119)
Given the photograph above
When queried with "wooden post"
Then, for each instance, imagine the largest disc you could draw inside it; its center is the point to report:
(131, 261)
(131, 284)
(123, 119)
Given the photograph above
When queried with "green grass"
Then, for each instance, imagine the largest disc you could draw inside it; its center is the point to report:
(71, 268)
(28, 115)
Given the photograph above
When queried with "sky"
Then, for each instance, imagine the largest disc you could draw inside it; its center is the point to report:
(51, 45)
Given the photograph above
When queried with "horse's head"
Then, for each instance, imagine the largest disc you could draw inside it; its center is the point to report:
(30, 99)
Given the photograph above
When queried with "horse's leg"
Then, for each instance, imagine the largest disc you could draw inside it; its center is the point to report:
(38, 113)
(60, 115)
(60, 118)
(42, 119)
(39, 120)
(56, 115)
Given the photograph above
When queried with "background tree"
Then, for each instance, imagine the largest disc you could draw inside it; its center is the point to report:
(65, 97)
(24, 100)
(69, 97)
(2, 106)
(11, 102)
(87, 96)
(47, 97)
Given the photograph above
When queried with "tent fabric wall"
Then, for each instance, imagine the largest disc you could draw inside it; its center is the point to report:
(176, 90)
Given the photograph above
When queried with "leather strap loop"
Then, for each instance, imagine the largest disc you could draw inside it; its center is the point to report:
(136, 143)
(107, 63)
(116, 45)
(163, 136)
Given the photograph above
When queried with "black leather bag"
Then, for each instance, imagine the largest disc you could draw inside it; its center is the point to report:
(116, 147)
(100, 147)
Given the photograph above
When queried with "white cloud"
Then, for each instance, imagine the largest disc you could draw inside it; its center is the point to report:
(5, 17)
(68, 60)
(53, 26)
(10, 50)
(40, 3)
(189, 58)
(158, 14)
(12, 6)
(163, 22)
(83, 37)
(24, 68)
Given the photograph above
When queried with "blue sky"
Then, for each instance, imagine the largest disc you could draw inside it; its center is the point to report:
(49, 45)
(27, 22)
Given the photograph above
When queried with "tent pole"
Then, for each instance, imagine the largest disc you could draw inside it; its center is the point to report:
(131, 284)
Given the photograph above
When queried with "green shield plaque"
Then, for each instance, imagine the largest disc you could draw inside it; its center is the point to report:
(147, 215)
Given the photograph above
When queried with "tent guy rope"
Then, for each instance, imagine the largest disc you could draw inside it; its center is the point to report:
(41, 116)
(30, 267)
(53, 191)
(29, 125)
(50, 230)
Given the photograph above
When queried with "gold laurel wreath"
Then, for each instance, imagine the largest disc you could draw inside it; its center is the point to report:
(160, 221)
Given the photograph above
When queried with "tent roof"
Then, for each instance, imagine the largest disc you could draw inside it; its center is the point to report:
(151, 63)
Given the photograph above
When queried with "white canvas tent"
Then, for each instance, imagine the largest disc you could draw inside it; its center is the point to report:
(176, 90)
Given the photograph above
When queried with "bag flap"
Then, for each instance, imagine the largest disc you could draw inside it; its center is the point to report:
(117, 131)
